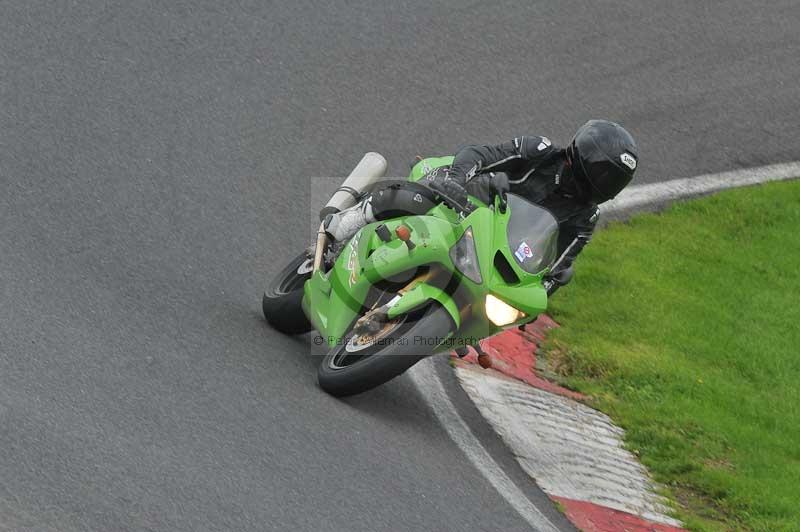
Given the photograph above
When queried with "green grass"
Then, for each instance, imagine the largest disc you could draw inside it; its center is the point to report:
(684, 326)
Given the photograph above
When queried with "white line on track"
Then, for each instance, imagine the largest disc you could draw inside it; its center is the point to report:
(427, 382)
(640, 196)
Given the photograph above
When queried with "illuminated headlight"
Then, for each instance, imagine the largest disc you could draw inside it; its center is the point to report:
(501, 313)
(465, 258)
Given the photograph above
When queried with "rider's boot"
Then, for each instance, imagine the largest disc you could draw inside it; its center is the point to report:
(343, 225)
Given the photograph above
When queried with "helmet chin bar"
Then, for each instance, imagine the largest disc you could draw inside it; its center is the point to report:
(583, 188)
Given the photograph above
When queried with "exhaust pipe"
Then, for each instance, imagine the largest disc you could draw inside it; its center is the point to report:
(367, 172)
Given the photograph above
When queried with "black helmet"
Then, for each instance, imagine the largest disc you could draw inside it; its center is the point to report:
(605, 156)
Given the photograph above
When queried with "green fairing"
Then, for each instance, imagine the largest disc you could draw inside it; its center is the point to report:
(333, 301)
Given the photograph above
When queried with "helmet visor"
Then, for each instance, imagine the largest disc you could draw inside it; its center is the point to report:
(607, 180)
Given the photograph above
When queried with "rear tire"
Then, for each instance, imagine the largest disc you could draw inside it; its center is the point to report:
(282, 301)
(386, 360)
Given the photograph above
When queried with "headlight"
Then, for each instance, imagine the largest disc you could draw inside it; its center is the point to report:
(465, 257)
(501, 313)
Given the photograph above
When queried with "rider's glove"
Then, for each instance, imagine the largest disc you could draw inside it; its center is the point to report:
(442, 183)
(558, 278)
(486, 186)
(499, 185)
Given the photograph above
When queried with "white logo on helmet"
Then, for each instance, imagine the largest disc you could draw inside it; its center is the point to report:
(543, 144)
(628, 160)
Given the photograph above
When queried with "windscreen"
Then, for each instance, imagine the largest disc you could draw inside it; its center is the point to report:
(532, 235)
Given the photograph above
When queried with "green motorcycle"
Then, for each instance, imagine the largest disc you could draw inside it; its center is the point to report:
(406, 288)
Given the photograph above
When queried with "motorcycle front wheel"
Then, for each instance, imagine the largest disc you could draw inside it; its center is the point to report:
(359, 362)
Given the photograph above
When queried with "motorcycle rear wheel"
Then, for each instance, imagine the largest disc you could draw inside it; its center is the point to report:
(282, 299)
(351, 368)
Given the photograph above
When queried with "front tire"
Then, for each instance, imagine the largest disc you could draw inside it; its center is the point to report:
(282, 301)
(410, 342)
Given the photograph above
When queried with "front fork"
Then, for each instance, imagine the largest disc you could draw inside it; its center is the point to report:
(319, 250)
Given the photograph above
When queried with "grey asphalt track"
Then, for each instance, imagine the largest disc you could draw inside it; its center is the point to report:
(155, 161)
